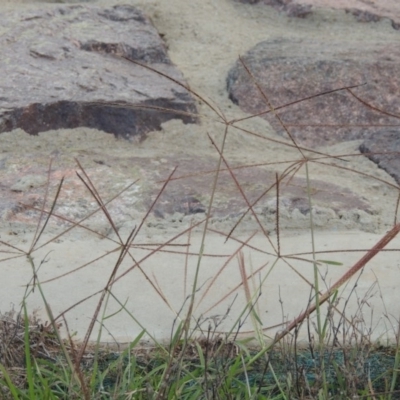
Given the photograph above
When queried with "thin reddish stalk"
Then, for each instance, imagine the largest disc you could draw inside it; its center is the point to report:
(295, 102)
(353, 270)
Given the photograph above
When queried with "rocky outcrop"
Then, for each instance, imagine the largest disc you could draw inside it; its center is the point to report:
(23, 188)
(69, 66)
(289, 7)
(363, 11)
(293, 75)
(383, 149)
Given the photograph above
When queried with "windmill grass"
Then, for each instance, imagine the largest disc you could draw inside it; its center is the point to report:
(202, 360)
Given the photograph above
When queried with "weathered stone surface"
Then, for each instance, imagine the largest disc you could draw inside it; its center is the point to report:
(189, 193)
(60, 69)
(383, 148)
(24, 174)
(289, 7)
(291, 70)
(363, 11)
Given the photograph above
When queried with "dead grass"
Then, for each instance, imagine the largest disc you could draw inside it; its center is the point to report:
(218, 361)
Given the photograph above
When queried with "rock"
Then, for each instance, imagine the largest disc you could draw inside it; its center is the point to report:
(189, 195)
(289, 7)
(291, 70)
(383, 148)
(112, 167)
(64, 68)
(28, 182)
(183, 205)
(363, 11)
(363, 16)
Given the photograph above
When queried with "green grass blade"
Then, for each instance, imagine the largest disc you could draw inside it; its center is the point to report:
(337, 263)
(29, 371)
(9, 384)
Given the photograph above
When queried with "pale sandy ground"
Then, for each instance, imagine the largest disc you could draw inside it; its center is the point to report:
(205, 38)
(374, 300)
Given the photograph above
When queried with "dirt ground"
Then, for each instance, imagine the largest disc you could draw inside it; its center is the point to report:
(204, 39)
